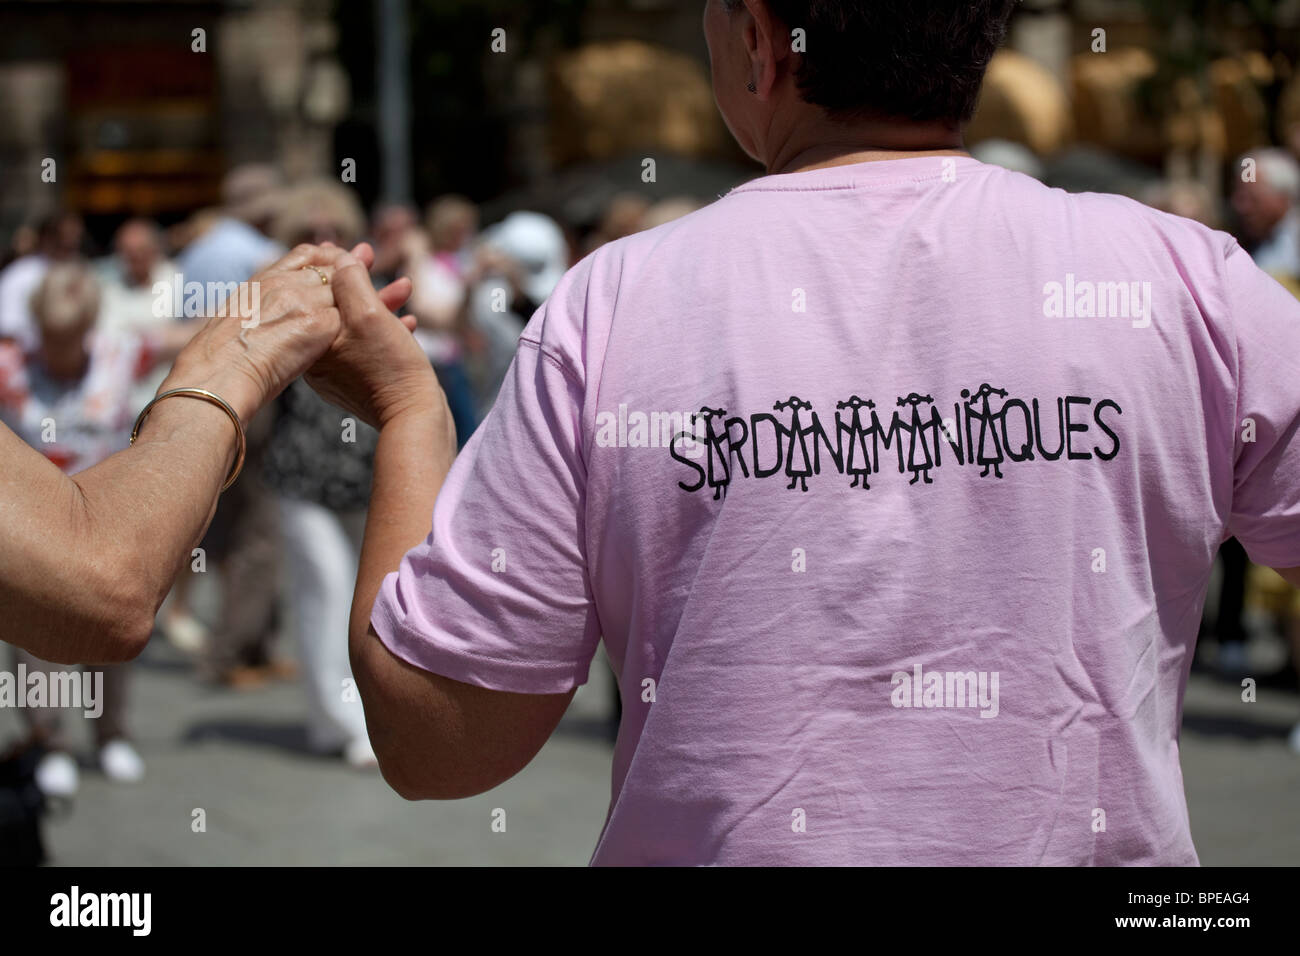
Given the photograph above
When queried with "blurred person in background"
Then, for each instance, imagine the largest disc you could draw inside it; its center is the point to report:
(438, 263)
(391, 226)
(515, 268)
(242, 544)
(236, 243)
(318, 466)
(22, 243)
(1016, 157)
(1273, 595)
(70, 398)
(624, 215)
(58, 239)
(181, 235)
(1267, 212)
(669, 210)
(128, 277)
(1186, 198)
(403, 248)
(131, 280)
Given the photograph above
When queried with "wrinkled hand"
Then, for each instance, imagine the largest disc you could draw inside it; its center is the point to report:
(374, 368)
(266, 334)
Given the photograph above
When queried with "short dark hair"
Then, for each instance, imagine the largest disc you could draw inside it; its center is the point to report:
(920, 60)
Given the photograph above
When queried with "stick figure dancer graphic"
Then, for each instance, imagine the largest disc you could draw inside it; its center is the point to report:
(858, 462)
(919, 459)
(797, 463)
(719, 468)
(988, 419)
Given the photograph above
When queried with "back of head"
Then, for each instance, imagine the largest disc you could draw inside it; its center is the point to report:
(1279, 171)
(918, 60)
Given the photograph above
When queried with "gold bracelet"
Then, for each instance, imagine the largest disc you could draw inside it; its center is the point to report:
(204, 395)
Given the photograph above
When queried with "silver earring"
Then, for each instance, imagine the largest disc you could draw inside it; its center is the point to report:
(751, 87)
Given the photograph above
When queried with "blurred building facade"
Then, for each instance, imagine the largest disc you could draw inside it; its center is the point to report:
(142, 107)
(139, 120)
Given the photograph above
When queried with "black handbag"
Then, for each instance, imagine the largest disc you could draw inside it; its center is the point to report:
(21, 807)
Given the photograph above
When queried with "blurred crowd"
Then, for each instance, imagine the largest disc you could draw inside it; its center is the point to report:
(86, 340)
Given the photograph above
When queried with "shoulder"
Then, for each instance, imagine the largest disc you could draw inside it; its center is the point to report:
(1119, 216)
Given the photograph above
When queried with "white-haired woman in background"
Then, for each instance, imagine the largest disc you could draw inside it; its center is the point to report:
(71, 400)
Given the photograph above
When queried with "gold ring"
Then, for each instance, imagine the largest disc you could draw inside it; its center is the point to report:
(324, 277)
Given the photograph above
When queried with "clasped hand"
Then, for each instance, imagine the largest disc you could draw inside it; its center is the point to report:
(316, 313)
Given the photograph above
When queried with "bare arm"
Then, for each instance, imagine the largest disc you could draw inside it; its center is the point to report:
(435, 738)
(85, 561)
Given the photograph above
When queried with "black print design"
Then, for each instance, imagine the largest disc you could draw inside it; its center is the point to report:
(920, 467)
(858, 463)
(719, 466)
(1009, 432)
(797, 463)
(987, 432)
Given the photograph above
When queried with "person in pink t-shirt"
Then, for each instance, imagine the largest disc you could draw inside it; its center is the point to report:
(891, 482)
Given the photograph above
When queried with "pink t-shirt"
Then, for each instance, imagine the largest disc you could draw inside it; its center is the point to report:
(919, 583)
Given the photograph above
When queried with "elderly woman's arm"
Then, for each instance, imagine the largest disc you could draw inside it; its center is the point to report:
(85, 561)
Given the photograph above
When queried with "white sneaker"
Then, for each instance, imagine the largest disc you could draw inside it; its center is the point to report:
(120, 762)
(185, 633)
(360, 755)
(57, 775)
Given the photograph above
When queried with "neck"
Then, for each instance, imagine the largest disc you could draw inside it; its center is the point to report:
(829, 143)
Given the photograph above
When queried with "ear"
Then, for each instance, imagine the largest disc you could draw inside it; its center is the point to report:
(767, 43)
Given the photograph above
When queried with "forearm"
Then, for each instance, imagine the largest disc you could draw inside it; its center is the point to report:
(85, 562)
(412, 459)
(89, 559)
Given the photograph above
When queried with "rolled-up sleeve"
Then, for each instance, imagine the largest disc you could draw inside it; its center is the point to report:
(498, 594)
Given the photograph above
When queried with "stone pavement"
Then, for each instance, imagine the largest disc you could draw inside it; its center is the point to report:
(241, 758)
